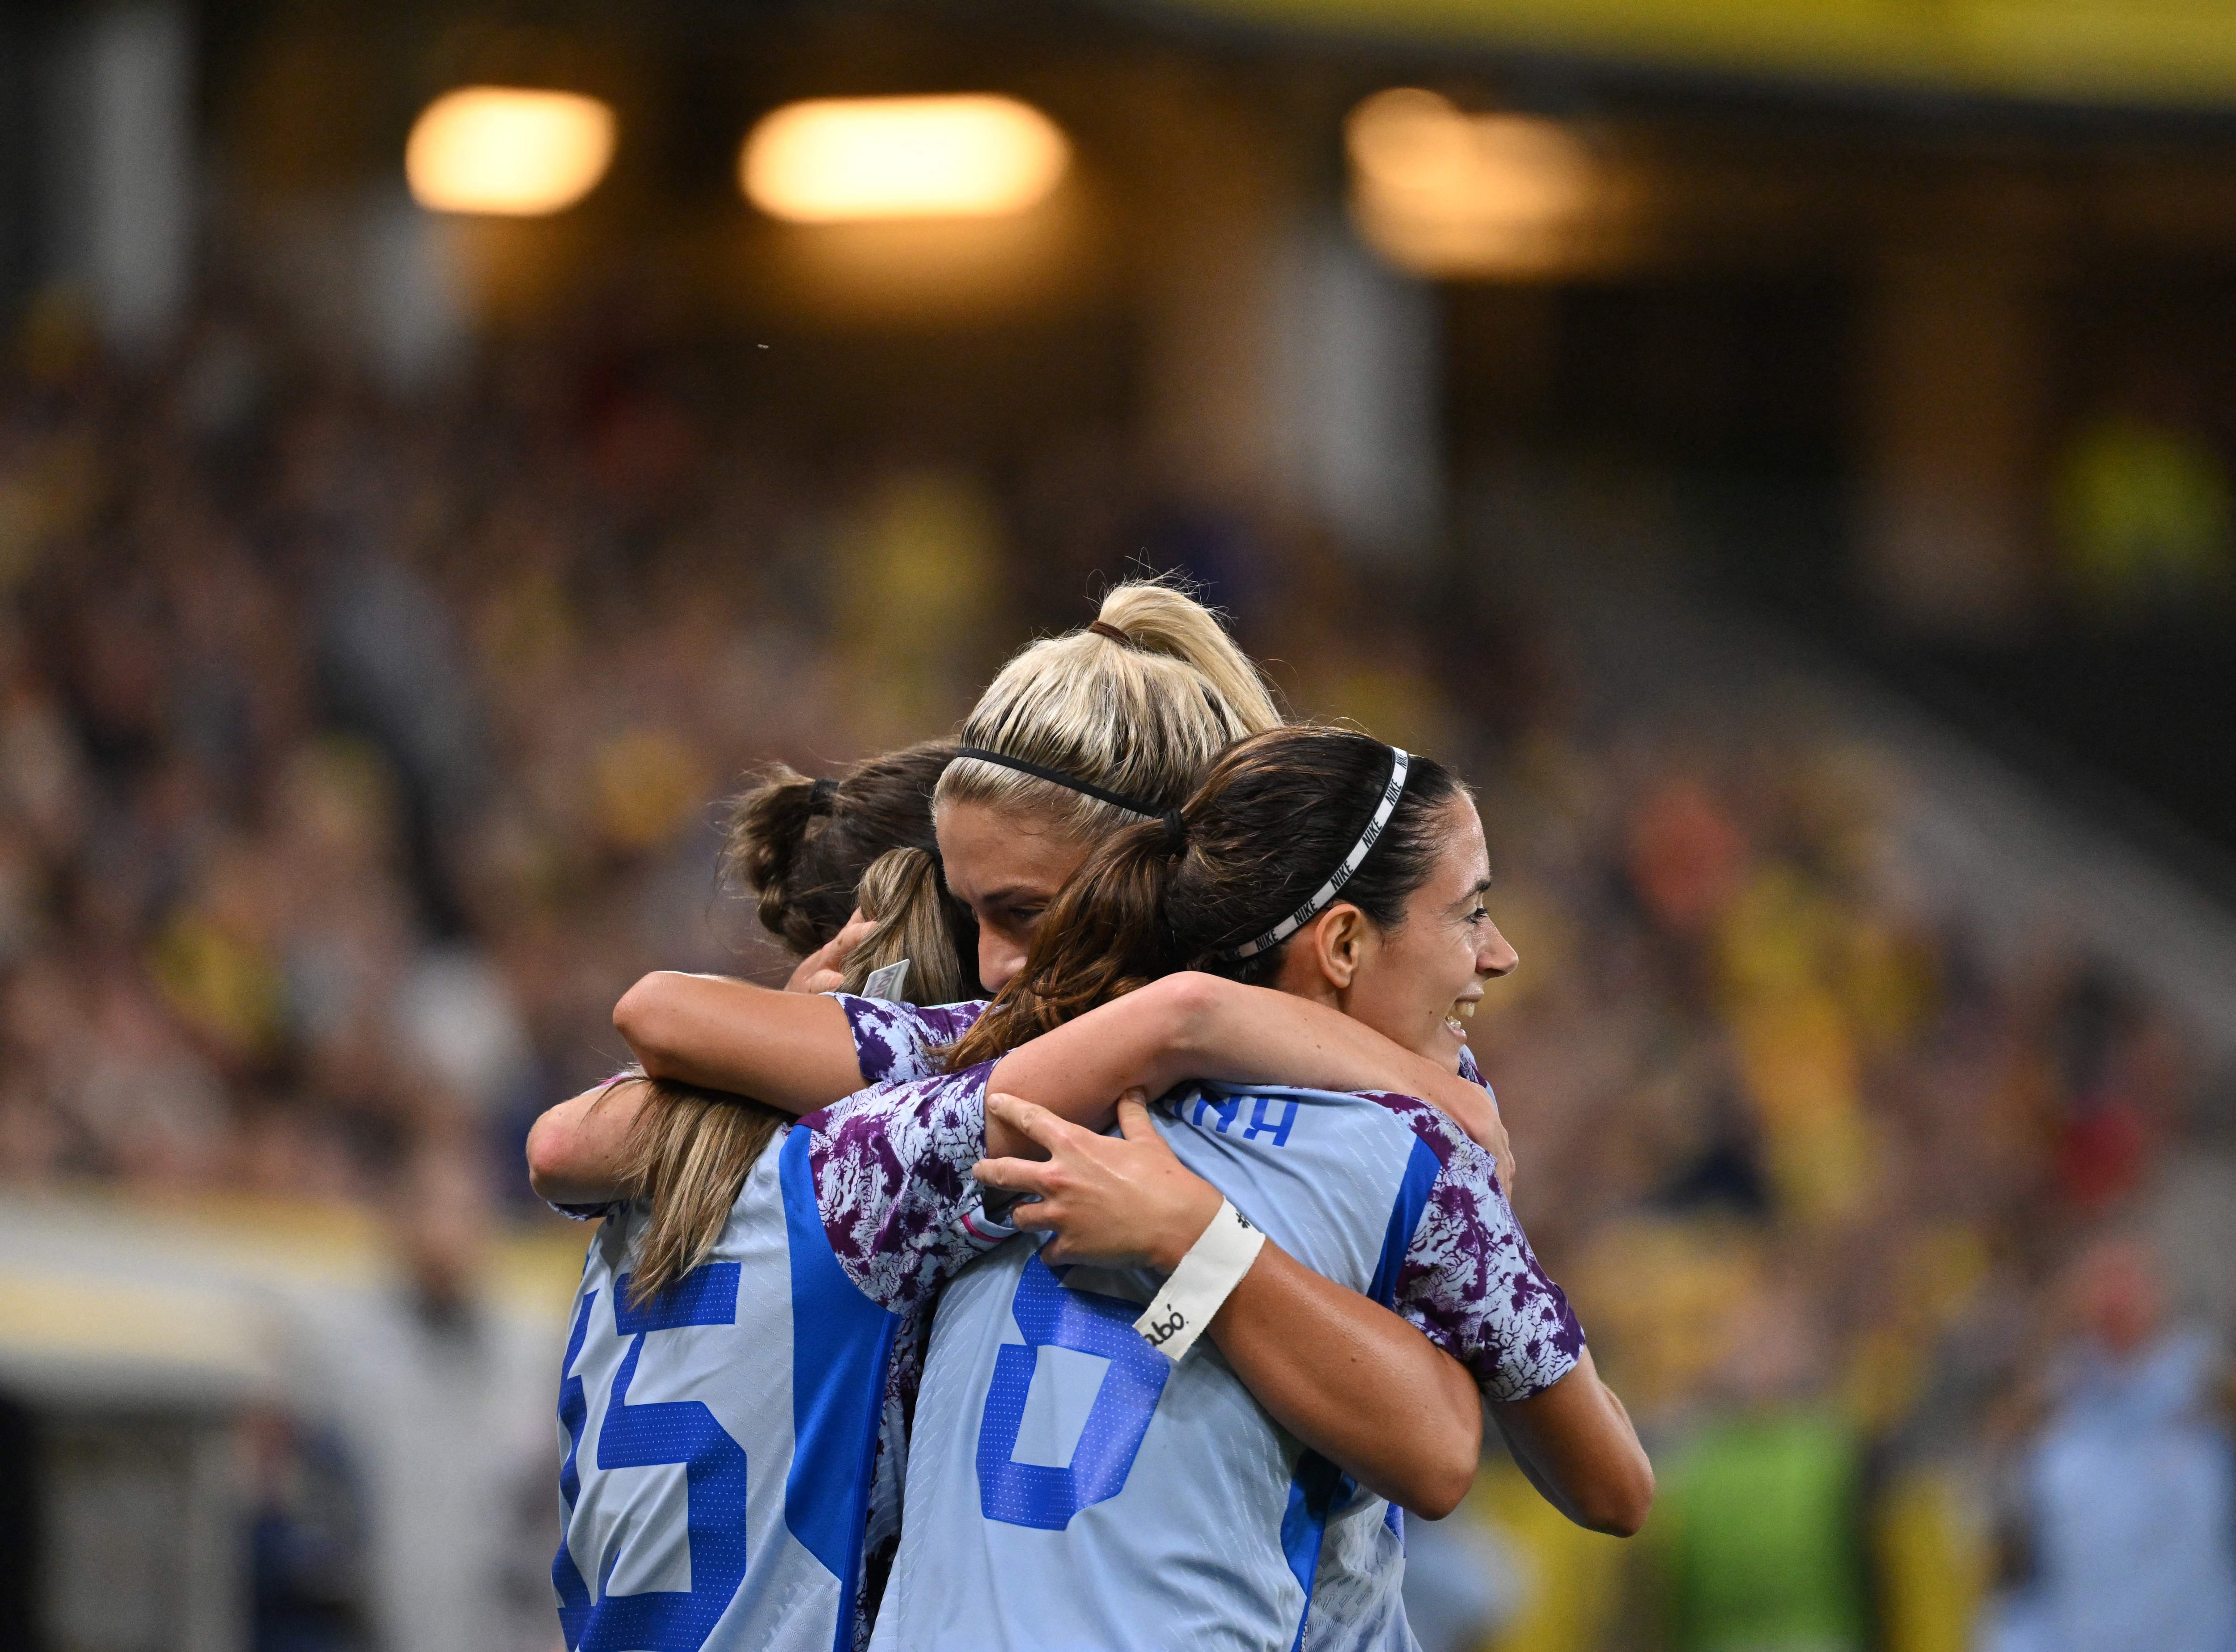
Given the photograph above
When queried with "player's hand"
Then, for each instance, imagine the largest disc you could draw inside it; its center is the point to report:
(1472, 1109)
(1124, 1201)
(824, 970)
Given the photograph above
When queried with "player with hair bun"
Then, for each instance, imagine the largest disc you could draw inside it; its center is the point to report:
(1144, 699)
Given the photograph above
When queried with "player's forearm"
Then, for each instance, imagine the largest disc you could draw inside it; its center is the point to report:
(1142, 1042)
(1355, 1382)
(1575, 1443)
(575, 1151)
(1239, 1033)
(792, 1050)
(1195, 1026)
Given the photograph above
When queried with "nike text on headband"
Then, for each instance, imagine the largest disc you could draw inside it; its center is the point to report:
(1399, 762)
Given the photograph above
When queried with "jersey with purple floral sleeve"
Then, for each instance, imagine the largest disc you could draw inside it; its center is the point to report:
(1358, 1595)
(723, 1479)
(1070, 1487)
(897, 1042)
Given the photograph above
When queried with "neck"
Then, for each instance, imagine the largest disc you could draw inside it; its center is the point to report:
(1303, 978)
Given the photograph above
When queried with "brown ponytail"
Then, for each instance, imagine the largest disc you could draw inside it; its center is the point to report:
(761, 850)
(801, 847)
(1275, 815)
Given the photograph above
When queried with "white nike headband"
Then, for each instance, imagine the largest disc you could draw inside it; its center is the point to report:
(1326, 893)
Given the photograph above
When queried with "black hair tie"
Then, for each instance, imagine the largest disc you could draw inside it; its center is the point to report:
(819, 795)
(1175, 830)
(1058, 777)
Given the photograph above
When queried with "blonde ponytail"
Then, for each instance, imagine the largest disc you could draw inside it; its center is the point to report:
(688, 1153)
(1161, 619)
(902, 894)
(1142, 713)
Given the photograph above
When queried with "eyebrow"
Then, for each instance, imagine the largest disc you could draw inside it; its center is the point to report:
(1012, 891)
(1481, 884)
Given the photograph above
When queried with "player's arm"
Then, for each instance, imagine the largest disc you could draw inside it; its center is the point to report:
(1345, 1375)
(795, 1051)
(575, 1149)
(1575, 1442)
(1195, 1026)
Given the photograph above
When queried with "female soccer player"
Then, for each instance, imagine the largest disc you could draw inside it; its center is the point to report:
(1071, 1486)
(848, 1230)
(786, 1447)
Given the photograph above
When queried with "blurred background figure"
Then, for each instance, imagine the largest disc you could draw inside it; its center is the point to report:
(1787, 469)
(1760, 1528)
(306, 1546)
(435, 1400)
(2123, 1472)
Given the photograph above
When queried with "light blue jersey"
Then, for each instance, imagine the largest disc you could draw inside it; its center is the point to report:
(720, 1438)
(1070, 1488)
(723, 1472)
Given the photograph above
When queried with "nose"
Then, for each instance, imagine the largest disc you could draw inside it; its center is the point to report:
(1497, 956)
(999, 959)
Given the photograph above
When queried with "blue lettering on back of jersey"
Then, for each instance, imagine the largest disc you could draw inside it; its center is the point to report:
(705, 1295)
(1260, 1125)
(649, 1436)
(1225, 1106)
(1036, 1494)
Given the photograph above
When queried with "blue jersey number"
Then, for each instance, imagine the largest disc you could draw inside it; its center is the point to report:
(643, 1437)
(1036, 1494)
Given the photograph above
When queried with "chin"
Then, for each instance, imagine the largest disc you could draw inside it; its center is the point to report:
(1444, 1045)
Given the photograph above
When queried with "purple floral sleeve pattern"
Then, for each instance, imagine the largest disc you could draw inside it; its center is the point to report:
(1470, 1072)
(897, 1042)
(892, 1176)
(1469, 1280)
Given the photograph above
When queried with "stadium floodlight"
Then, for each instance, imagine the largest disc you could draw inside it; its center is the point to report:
(1443, 192)
(832, 160)
(508, 150)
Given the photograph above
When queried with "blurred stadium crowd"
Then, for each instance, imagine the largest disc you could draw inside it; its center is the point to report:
(359, 753)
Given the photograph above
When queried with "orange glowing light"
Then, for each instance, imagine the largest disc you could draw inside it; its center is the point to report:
(1441, 192)
(851, 160)
(507, 150)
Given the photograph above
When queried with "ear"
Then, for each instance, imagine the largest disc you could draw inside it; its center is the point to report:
(1337, 942)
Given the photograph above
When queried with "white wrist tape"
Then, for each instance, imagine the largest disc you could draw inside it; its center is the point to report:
(1205, 1278)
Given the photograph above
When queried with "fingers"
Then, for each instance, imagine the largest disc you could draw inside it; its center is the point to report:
(809, 971)
(1033, 1121)
(1133, 1121)
(1016, 1175)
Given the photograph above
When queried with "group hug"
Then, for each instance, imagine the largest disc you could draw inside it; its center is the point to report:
(1105, 1238)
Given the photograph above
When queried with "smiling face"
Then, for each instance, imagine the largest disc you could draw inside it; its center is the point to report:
(1006, 866)
(1417, 984)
